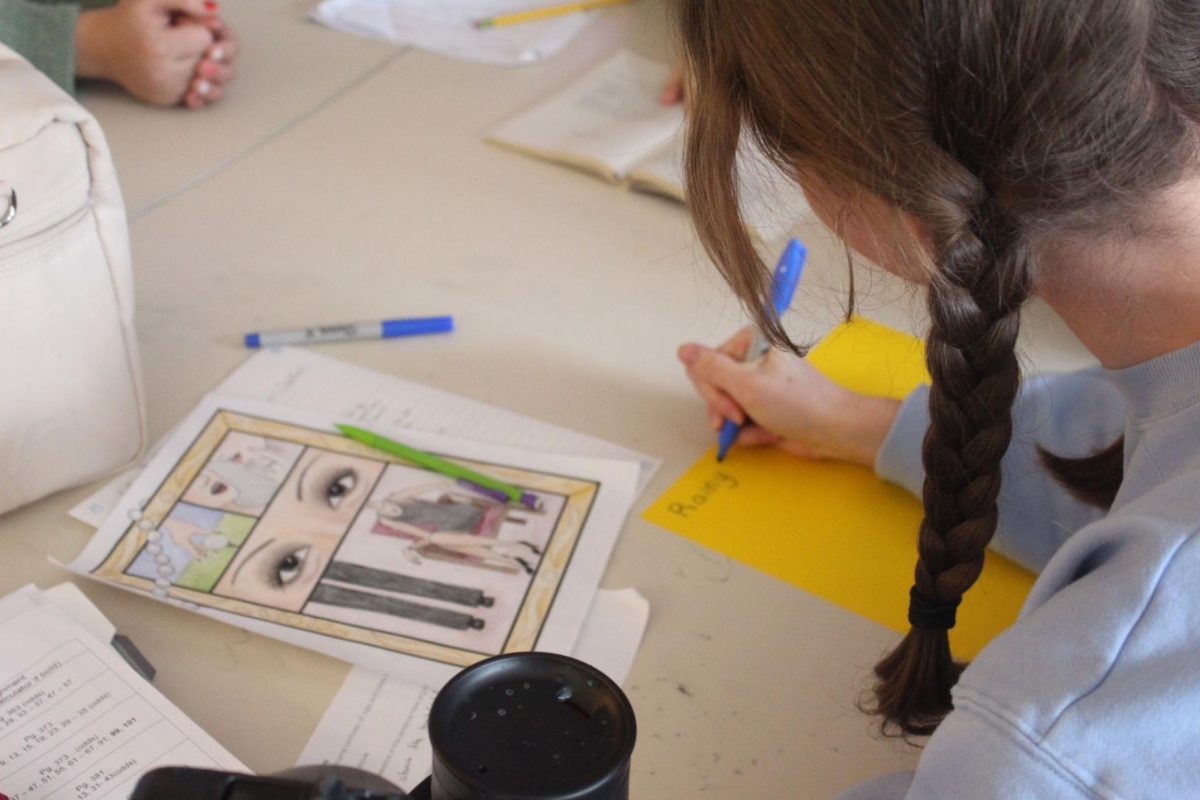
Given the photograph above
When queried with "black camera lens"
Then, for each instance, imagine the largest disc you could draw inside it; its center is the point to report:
(531, 726)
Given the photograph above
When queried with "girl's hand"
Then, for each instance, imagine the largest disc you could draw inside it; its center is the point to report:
(788, 402)
(151, 48)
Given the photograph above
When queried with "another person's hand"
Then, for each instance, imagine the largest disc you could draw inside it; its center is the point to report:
(216, 68)
(787, 402)
(157, 50)
(672, 91)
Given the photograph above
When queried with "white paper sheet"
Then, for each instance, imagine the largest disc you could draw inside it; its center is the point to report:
(68, 598)
(613, 632)
(448, 27)
(379, 723)
(76, 721)
(594, 517)
(310, 382)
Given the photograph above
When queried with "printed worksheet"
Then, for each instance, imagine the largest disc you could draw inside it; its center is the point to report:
(273, 521)
(76, 722)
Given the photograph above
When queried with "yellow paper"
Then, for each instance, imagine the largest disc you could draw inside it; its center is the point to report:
(831, 528)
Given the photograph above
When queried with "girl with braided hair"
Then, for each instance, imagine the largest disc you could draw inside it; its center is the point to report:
(990, 151)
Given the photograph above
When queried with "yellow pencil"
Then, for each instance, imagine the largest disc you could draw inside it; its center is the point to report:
(543, 13)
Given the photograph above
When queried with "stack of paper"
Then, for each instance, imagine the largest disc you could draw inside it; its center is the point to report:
(177, 527)
(75, 720)
(261, 515)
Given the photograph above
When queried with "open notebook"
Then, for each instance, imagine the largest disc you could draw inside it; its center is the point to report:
(610, 123)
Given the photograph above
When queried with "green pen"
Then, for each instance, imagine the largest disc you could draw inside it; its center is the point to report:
(489, 486)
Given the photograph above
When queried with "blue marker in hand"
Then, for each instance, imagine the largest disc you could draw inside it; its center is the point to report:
(783, 287)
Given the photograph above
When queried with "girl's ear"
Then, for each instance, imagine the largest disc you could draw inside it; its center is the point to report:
(878, 231)
(916, 252)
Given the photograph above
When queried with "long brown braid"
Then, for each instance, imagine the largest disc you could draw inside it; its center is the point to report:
(993, 124)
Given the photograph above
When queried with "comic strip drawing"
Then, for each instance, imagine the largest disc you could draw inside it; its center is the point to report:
(307, 529)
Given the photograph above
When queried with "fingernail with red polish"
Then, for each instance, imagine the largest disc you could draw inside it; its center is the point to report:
(211, 5)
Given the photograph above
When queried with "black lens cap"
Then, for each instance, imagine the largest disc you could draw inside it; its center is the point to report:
(531, 726)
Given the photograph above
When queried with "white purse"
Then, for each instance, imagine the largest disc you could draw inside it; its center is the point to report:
(71, 402)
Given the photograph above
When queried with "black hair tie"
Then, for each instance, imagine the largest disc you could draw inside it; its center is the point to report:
(931, 614)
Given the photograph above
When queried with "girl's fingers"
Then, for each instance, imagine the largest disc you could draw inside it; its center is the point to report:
(722, 405)
(714, 367)
(709, 373)
(736, 346)
(754, 436)
(719, 402)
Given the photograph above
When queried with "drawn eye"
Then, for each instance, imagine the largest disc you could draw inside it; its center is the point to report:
(289, 567)
(341, 486)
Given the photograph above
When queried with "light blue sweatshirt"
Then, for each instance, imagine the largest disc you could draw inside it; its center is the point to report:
(1095, 691)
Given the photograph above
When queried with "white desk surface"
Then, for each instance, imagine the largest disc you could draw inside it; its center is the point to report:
(343, 179)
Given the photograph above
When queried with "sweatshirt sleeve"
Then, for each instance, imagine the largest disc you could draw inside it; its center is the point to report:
(970, 757)
(977, 757)
(1069, 414)
(44, 33)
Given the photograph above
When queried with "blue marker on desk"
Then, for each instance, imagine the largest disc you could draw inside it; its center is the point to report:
(387, 329)
(783, 288)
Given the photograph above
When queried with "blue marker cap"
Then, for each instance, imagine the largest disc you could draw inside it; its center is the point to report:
(251, 340)
(390, 328)
(787, 276)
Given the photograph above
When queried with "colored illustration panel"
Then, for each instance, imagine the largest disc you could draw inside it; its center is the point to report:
(243, 474)
(192, 547)
(294, 541)
(433, 559)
